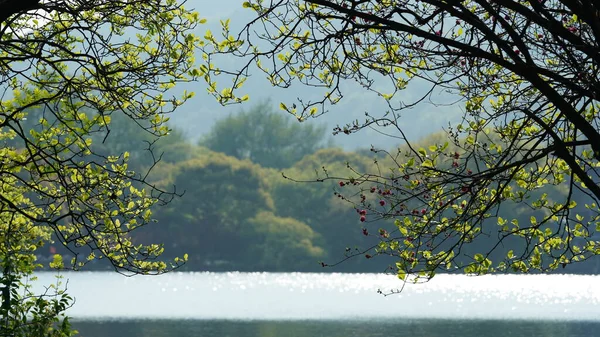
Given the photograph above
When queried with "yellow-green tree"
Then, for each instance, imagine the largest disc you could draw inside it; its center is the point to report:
(524, 71)
(77, 63)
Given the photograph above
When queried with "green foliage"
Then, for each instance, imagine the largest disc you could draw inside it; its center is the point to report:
(43, 313)
(259, 221)
(283, 244)
(265, 137)
(525, 73)
(66, 69)
(227, 216)
(324, 209)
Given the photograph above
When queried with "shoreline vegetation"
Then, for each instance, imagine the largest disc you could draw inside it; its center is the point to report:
(244, 211)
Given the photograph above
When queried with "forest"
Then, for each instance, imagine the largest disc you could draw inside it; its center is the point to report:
(262, 192)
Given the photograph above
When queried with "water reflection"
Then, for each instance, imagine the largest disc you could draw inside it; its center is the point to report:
(298, 296)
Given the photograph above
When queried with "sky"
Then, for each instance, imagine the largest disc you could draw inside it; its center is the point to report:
(199, 114)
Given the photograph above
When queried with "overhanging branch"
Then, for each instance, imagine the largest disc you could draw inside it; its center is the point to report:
(9, 8)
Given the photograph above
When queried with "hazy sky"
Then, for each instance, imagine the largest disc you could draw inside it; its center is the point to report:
(197, 117)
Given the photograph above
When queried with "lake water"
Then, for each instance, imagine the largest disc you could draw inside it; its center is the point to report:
(310, 305)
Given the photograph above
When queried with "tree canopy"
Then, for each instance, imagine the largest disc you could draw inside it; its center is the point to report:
(67, 67)
(228, 219)
(265, 137)
(525, 74)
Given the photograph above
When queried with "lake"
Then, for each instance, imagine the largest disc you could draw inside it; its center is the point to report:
(310, 305)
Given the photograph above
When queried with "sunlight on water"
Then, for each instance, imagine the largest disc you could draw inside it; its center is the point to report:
(330, 296)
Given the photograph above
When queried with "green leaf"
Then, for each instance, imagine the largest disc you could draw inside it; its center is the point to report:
(57, 262)
(533, 220)
(427, 163)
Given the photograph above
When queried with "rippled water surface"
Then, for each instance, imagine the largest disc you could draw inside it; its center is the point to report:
(331, 305)
(275, 296)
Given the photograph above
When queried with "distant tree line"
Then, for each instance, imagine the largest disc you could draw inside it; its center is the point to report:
(245, 208)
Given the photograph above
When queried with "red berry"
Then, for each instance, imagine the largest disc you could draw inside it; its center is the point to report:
(368, 256)
(363, 218)
(363, 212)
(365, 232)
(383, 233)
(382, 202)
(342, 184)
